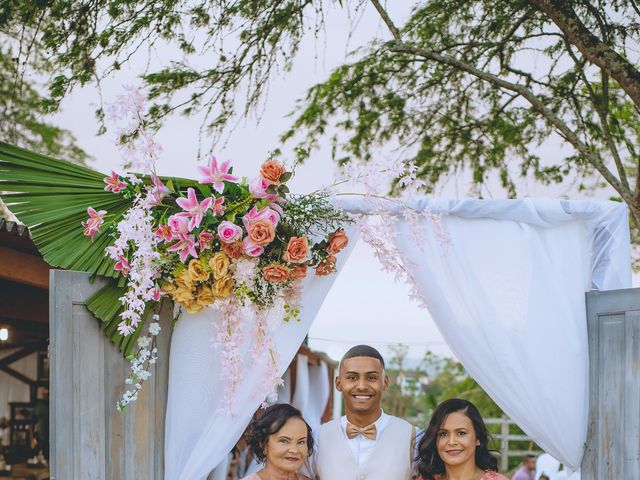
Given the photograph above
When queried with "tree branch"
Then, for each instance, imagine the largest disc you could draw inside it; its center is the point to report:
(594, 49)
(387, 19)
(538, 104)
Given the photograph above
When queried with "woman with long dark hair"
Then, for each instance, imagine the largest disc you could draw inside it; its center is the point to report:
(455, 445)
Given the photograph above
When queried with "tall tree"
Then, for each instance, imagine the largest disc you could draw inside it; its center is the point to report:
(23, 106)
(474, 84)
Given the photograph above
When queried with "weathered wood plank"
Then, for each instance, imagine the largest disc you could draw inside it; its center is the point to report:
(90, 439)
(613, 439)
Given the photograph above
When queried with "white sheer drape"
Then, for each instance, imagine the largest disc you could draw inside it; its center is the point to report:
(513, 278)
(199, 430)
(508, 296)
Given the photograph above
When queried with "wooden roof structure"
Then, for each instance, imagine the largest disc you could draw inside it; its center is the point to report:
(24, 289)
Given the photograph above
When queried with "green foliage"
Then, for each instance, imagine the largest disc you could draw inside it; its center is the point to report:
(23, 69)
(472, 85)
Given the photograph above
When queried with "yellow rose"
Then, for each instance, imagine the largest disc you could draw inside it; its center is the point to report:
(184, 281)
(193, 307)
(205, 295)
(222, 288)
(183, 296)
(168, 288)
(219, 264)
(197, 271)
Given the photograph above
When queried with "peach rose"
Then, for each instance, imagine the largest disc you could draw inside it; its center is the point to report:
(272, 170)
(337, 242)
(261, 232)
(297, 250)
(197, 273)
(299, 272)
(223, 287)
(327, 266)
(219, 264)
(233, 250)
(276, 273)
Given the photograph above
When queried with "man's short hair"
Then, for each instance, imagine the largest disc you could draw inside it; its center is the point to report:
(362, 351)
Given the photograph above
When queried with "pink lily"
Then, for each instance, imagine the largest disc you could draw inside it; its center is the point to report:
(194, 210)
(93, 224)
(122, 265)
(217, 206)
(114, 184)
(156, 293)
(205, 240)
(164, 232)
(185, 246)
(158, 189)
(217, 175)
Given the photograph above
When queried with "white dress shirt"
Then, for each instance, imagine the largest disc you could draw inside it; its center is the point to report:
(361, 446)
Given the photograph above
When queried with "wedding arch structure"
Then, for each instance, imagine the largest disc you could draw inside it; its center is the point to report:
(512, 277)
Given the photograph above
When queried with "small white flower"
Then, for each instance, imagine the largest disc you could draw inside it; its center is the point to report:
(154, 328)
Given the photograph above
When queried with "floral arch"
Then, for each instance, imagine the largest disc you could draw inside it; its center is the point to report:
(499, 277)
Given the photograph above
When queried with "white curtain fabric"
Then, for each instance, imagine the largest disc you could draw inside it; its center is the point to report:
(318, 395)
(199, 430)
(300, 398)
(507, 294)
(12, 389)
(512, 279)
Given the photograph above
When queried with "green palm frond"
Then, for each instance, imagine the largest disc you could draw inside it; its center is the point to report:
(51, 197)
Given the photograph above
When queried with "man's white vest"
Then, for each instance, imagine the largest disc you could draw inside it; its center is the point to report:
(391, 458)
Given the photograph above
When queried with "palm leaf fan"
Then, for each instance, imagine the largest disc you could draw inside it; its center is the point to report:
(51, 197)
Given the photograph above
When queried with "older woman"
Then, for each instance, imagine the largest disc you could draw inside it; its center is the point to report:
(281, 439)
(455, 445)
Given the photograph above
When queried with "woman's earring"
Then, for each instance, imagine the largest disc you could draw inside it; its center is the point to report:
(477, 443)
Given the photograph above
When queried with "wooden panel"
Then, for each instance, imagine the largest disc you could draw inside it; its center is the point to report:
(23, 268)
(613, 439)
(91, 440)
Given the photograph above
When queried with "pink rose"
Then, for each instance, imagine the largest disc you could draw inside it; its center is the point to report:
(258, 188)
(205, 240)
(252, 249)
(179, 225)
(229, 232)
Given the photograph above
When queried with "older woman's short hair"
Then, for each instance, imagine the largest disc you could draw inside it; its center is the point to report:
(269, 422)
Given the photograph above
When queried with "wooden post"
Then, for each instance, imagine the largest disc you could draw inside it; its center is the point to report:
(504, 445)
(90, 440)
(613, 438)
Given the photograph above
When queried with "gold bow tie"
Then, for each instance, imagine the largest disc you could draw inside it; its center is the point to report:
(369, 431)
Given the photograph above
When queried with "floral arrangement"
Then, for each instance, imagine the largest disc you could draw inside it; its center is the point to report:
(233, 237)
(234, 244)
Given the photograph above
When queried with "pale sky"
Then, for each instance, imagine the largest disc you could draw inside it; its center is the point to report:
(365, 305)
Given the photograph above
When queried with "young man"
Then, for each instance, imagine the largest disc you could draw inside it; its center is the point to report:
(366, 443)
(528, 469)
